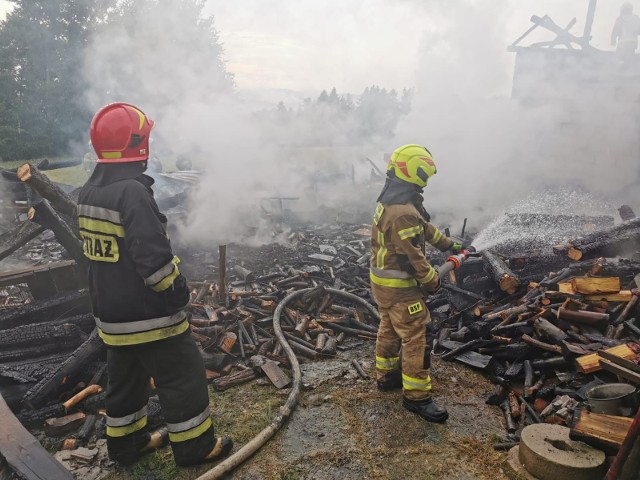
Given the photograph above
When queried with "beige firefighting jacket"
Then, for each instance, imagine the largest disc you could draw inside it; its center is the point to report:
(398, 263)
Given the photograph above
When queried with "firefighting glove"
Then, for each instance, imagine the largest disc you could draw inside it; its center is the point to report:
(457, 247)
(178, 296)
(431, 287)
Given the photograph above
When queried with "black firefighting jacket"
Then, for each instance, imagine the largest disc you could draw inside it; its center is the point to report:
(137, 291)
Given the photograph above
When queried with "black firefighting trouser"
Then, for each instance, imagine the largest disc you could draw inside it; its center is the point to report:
(178, 373)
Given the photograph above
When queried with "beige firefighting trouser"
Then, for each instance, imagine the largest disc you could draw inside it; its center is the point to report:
(407, 324)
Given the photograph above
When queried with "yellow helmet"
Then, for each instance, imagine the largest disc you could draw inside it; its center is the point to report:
(412, 164)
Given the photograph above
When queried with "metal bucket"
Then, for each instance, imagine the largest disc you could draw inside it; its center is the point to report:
(619, 399)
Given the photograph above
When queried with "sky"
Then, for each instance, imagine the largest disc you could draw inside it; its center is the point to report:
(309, 45)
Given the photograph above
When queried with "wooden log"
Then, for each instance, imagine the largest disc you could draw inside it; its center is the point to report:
(621, 296)
(223, 298)
(626, 373)
(23, 453)
(501, 274)
(514, 406)
(18, 237)
(509, 423)
(504, 313)
(92, 348)
(627, 310)
(56, 427)
(84, 433)
(528, 378)
(64, 230)
(45, 310)
(595, 285)
(80, 396)
(60, 200)
(600, 240)
(321, 340)
(591, 363)
(330, 347)
(39, 335)
(632, 328)
(245, 274)
(223, 383)
(583, 317)
(599, 430)
(541, 345)
(359, 369)
(546, 329)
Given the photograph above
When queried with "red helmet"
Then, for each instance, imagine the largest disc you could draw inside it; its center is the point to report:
(120, 133)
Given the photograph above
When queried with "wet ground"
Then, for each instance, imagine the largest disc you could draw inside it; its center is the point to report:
(344, 428)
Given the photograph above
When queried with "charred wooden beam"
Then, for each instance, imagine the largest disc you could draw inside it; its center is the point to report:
(24, 454)
(583, 317)
(548, 330)
(501, 273)
(77, 361)
(61, 201)
(601, 240)
(45, 310)
(18, 237)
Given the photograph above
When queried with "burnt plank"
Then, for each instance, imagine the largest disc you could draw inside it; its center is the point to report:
(23, 453)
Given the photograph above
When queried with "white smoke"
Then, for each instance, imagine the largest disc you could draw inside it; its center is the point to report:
(490, 150)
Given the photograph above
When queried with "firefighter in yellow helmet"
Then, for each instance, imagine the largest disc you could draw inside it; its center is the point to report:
(400, 277)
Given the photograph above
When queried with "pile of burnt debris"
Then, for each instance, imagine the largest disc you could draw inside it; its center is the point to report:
(554, 330)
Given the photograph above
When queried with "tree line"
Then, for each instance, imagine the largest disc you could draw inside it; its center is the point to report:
(333, 119)
(43, 43)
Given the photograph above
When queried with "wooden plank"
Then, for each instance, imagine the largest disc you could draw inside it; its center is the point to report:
(23, 453)
(591, 363)
(600, 430)
(566, 287)
(621, 296)
(275, 374)
(595, 285)
(630, 375)
(623, 362)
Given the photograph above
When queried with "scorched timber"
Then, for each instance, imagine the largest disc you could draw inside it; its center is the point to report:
(46, 310)
(501, 274)
(610, 238)
(18, 237)
(23, 453)
(61, 201)
(37, 340)
(91, 349)
(64, 229)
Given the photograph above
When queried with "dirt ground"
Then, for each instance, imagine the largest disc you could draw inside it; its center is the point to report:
(344, 428)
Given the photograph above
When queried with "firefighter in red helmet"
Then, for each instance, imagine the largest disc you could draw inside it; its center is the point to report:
(139, 299)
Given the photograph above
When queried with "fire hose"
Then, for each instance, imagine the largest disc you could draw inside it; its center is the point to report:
(454, 261)
(285, 411)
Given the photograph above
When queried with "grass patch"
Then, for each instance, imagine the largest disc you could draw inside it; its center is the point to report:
(242, 412)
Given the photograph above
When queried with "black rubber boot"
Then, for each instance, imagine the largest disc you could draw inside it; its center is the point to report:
(427, 409)
(157, 439)
(393, 381)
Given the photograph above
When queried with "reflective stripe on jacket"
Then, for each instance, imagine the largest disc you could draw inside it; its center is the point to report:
(137, 291)
(398, 237)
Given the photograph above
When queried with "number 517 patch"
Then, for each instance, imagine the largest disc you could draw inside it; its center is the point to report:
(415, 308)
